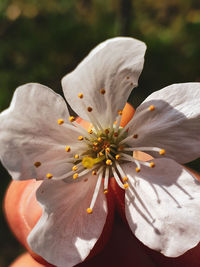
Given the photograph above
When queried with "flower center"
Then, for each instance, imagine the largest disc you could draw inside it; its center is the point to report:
(103, 151)
(103, 148)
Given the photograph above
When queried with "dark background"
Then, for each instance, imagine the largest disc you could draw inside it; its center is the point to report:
(41, 41)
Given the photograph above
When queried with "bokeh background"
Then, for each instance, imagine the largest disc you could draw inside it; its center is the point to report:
(41, 41)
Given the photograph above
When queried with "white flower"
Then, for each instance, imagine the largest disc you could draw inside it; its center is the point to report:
(162, 199)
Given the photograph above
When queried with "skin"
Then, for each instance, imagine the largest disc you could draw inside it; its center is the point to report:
(117, 246)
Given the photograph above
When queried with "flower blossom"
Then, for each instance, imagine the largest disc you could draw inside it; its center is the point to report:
(39, 139)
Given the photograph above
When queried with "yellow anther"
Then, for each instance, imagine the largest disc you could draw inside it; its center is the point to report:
(108, 162)
(95, 148)
(60, 121)
(89, 109)
(71, 119)
(102, 91)
(107, 150)
(106, 131)
(99, 139)
(135, 136)
(152, 164)
(80, 95)
(76, 156)
(115, 134)
(89, 210)
(94, 173)
(126, 186)
(37, 164)
(137, 169)
(49, 175)
(117, 156)
(162, 152)
(125, 179)
(105, 191)
(152, 107)
(75, 176)
(100, 154)
(95, 144)
(67, 148)
(80, 138)
(120, 112)
(90, 131)
(74, 168)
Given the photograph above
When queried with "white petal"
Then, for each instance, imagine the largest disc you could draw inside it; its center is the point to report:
(29, 133)
(114, 65)
(174, 124)
(66, 233)
(162, 207)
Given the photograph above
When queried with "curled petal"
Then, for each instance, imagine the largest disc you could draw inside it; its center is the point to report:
(105, 78)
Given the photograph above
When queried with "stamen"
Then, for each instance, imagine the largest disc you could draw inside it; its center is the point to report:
(76, 156)
(99, 139)
(121, 172)
(80, 129)
(80, 95)
(94, 172)
(60, 121)
(156, 149)
(107, 150)
(37, 164)
(95, 144)
(117, 157)
(152, 164)
(49, 175)
(75, 176)
(137, 169)
(126, 186)
(74, 168)
(96, 191)
(162, 152)
(108, 162)
(117, 178)
(71, 118)
(106, 178)
(125, 179)
(130, 158)
(106, 131)
(135, 136)
(90, 131)
(152, 107)
(120, 112)
(80, 138)
(89, 109)
(89, 210)
(67, 148)
(125, 139)
(116, 128)
(102, 91)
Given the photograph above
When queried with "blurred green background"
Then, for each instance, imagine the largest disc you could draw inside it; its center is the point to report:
(42, 40)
